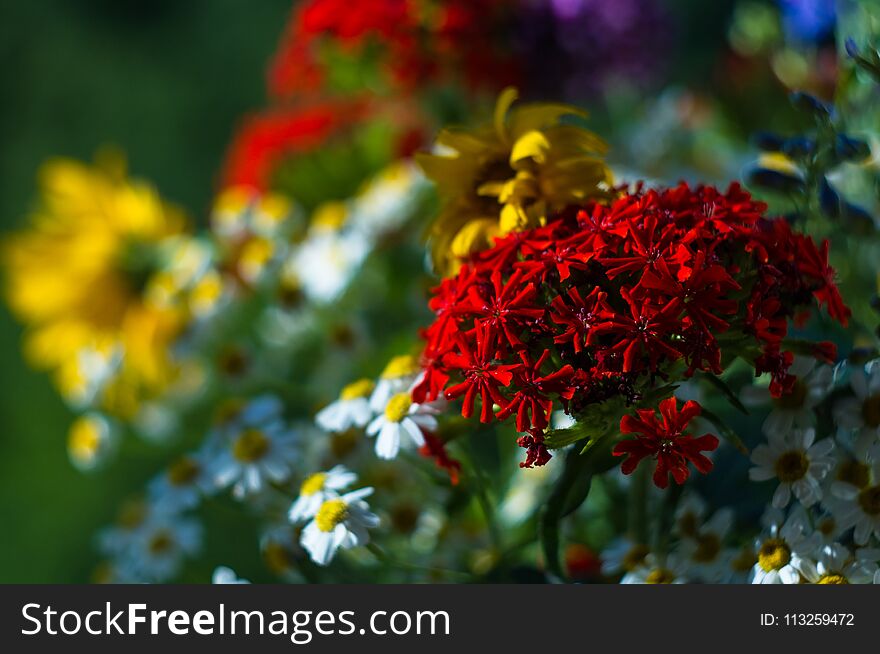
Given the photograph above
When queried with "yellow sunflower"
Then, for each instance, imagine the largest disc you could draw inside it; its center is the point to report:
(77, 275)
(508, 176)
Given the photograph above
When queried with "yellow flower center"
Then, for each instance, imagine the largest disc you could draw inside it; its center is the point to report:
(854, 473)
(660, 576)
(84, 439)
(871, 411)
(160, 543)
(773, 555)
(132, 514)
(634, 557)
(869, 500)
(331, 513)
(792, 466)
(401, 366)
(826, 526)
(251, 446)
(313, 484)
(183, 471)
(360, 388)
(833, 578)
(277, 558)
(744, 560)
(687, 524)
(795, 399)
(708, 547)
(398, 407)
(330, 216)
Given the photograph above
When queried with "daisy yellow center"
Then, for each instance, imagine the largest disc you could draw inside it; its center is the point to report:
(331, 513)
(826, 526)
(773, 555)
(792, 466)
(251, 446)
(854, 473)
(360, 388)
(401, 366)
(313, 483)
(687, 524)
(290, 292)
(635, 557)
(132, 514)
(708, 547)
(277, 558)
(833, 578)
(85, 438)
(869, 500)
(871, 411)
(660, 576)
(330, 216)
(160, 543)
(795, 399)
(398, 407)
(744, 560)
(183, 471)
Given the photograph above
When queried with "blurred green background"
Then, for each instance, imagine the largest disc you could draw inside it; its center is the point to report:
(167, 81)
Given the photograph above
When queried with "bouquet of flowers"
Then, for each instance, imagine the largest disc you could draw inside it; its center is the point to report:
(426, 337)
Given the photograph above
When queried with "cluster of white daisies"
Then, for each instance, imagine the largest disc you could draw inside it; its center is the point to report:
(822, 524)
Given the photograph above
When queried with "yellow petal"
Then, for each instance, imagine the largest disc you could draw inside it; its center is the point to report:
(502, 107)
(513, 219)
(475, 236)
(531, 145)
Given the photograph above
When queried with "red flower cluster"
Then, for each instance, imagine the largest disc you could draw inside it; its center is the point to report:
(604, 301)
(417, 41)
(665, 441)
(264, 140)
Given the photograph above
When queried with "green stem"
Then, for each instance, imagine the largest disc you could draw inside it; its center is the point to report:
(638, 505)
(380, 554)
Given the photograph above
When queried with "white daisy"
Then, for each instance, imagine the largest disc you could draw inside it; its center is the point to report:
(182, 485)
(326, 262)
(668, 570)
(798, 463)
(401, 416)
(860, 415)
(704, 552)
(118, 540)
(224, 575)
(740, 562)
(859, 505)
(624, 555)
(162, 545)
(780, 550)
(795, 409)
(91, 440)
(317, 489)
(239, 212)
(399, 375)
(837, 565)
(340, 522)
(352, 409)
(89, 374)
(689, 514)
(388, 200)
(259, 449)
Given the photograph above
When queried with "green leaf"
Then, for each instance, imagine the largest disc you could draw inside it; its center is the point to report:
(559, 438)
(569, 492)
